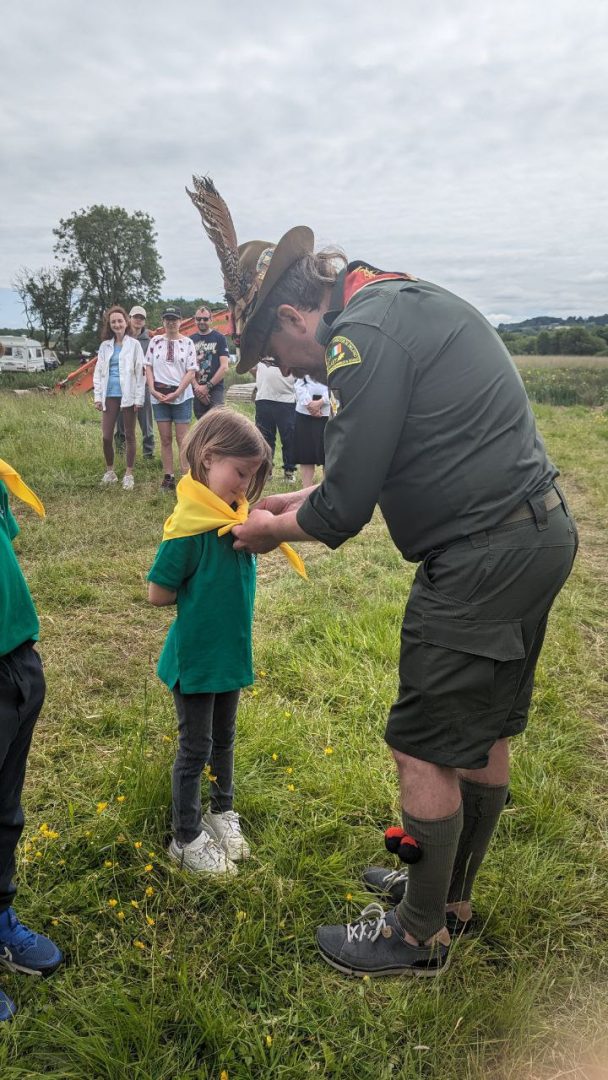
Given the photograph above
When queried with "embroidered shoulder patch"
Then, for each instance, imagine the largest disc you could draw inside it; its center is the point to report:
(334, 403)
(341, 353)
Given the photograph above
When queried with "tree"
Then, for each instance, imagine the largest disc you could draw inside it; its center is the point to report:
(115, 256)
(50, 301)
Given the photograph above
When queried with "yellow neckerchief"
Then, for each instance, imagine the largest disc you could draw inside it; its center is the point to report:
(198, 510)
(15, 484)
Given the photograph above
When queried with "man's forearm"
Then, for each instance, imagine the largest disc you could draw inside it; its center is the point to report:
(285, 527)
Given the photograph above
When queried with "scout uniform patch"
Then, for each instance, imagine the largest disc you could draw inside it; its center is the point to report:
(341, 352)
(334, 403)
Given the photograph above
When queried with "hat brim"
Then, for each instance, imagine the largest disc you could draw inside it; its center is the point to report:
(292, 246)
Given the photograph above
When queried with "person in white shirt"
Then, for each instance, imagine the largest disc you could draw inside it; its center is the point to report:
(312, 411)
(171, 365)
(118, 388)
(275, 411)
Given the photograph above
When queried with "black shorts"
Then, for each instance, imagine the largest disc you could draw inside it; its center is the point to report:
(472, 633)
(309, 445)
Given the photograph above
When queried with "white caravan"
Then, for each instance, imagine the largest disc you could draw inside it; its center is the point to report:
(20, 354)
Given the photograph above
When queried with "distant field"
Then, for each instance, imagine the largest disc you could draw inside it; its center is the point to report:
(561, 361)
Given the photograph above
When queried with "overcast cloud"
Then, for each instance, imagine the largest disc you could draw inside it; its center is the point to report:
(465, 143)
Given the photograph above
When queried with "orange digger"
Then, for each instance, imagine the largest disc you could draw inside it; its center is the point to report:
(80, 381)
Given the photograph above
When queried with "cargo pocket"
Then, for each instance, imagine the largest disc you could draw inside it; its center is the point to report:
(469, 668)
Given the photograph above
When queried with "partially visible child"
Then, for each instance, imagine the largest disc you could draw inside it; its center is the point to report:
(22, 689)
(207, 655)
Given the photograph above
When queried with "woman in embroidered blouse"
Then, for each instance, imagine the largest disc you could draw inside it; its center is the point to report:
(119, 386)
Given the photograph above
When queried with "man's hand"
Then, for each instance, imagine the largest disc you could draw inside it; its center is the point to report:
(285, 502)
(314, 408)
(202, 393)
(99, 406)
(257, 534)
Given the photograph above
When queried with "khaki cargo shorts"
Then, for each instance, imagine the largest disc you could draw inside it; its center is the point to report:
(472, 633)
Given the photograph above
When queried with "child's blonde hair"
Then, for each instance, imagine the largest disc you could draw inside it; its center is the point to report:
(228, 434)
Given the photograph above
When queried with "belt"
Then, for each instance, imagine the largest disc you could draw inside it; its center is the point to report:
(551, 499)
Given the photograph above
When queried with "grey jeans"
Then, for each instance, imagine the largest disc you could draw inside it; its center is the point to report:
(206, 732)
(146, 423)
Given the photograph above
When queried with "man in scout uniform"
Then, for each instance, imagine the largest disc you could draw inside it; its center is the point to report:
(22, 690)
(430, 421)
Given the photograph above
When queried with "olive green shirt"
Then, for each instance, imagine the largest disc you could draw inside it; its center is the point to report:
(208, 646)
(18, 618)
(430, 420)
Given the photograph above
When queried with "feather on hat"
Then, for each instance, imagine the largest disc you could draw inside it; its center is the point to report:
(250, 270)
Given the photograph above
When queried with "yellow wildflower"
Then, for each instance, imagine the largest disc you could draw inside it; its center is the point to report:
(120, 798)
(120, 915)
(241, 916)
(88, 833)
(167, 738)
(108, 863)
(148, 867)
(137, 844)
(287, 715)
(291, 787)
(38, 854)
(329, 750)
(149, 920)
(349, 895)
(269, 1040)
(262, 674)
(223, 1075)
(152, 854)
(139, 944)
(149, 891)
(254, 692)
(101, 806)
(289, 770)
(208, 774)
(282, 924)
(275, 757)
(121, 838)
(61, 862)
(113, 903)
(55, 922)
(135, 903)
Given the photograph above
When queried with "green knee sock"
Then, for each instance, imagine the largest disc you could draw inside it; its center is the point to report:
(422, 910)
(482, 805)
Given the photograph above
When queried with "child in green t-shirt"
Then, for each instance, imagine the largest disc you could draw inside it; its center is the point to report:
(22, 689)
(207, 656)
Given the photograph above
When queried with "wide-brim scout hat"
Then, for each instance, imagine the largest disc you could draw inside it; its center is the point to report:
(250, 270)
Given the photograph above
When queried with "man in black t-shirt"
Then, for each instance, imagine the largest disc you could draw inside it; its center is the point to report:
(213, 360)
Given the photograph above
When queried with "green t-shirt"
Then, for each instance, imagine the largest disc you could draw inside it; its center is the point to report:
(18, 619)
(208, 647)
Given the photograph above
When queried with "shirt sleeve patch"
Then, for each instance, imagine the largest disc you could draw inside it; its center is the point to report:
(341, 352)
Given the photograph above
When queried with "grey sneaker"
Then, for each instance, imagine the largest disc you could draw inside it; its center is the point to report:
(201, 856)
(226, 830)
(109, 477)
(375, 945)
(390, 886)
(128, 482)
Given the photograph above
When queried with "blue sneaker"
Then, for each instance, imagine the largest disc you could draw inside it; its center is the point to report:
(23, 950)
(7, 1007)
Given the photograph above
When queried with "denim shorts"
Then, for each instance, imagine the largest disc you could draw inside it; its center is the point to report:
(167, 411)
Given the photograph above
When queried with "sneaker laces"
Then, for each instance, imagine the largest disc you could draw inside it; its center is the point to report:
(210, 847)
(20, 934)
(232, 822)
(395, 877)
(370, 924)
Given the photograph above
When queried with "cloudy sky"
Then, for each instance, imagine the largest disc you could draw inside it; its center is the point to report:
(463, 142)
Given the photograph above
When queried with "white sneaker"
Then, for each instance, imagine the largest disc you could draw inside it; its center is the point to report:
(201, 856)
(226, 830)
(109, 477)
(128, 482)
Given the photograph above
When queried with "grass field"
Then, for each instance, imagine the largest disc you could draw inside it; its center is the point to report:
(190, 980)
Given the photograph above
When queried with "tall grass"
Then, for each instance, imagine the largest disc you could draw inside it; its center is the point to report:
(225, 978)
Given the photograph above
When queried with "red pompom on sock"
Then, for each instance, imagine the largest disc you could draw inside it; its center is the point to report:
(400, 843)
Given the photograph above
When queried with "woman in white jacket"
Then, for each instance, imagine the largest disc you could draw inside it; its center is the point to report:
(119, 386)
